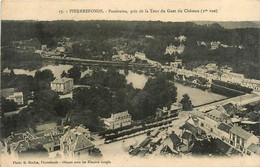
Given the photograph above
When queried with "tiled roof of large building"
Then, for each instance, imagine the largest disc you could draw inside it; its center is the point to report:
(81, 142)
(224, 127)
(217, 115)
(240, 132)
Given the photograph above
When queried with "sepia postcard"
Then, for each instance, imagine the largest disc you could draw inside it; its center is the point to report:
(130, 83)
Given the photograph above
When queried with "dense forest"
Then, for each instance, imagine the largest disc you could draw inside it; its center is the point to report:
(97, 37)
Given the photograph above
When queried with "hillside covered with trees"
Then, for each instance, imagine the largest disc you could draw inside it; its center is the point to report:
(100, 39)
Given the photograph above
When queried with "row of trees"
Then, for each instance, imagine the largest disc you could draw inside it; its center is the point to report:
(49, 32)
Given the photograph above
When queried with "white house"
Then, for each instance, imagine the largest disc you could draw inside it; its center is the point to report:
(242, 139)
(63, 85)
(118, 120)
(17, 97)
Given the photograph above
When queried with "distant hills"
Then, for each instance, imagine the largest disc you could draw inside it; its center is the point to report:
(232, 25)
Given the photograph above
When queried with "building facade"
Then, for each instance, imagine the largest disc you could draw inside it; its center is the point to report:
(242, 139)
(74, 144)
(17, 97)
(63, 85)
(118, 120)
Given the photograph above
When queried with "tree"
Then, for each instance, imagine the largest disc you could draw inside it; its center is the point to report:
(157, 93)
(42, 80)
(95, 99)
(8, 105)
(45, 75)
(186, 102)
(205, 147)
(63, 106)
(45, 104)
(37, 151)
(86, 117)
(74, 73)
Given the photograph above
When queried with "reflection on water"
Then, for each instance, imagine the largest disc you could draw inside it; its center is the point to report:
(138, 80)
(56, 70)
(197, 96)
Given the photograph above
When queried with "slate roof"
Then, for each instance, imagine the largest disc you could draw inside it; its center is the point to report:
(76, 141)
(175, 139)
(189, 127)
(222, 146)
(224, 127)
(253, 116)
(230, 108)
(81, 142)
(217, 115)
(145, 142)
(240, 132)
(186, 135)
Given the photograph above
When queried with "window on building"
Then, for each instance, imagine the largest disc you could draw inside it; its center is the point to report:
(243, 142)
(238, 140)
